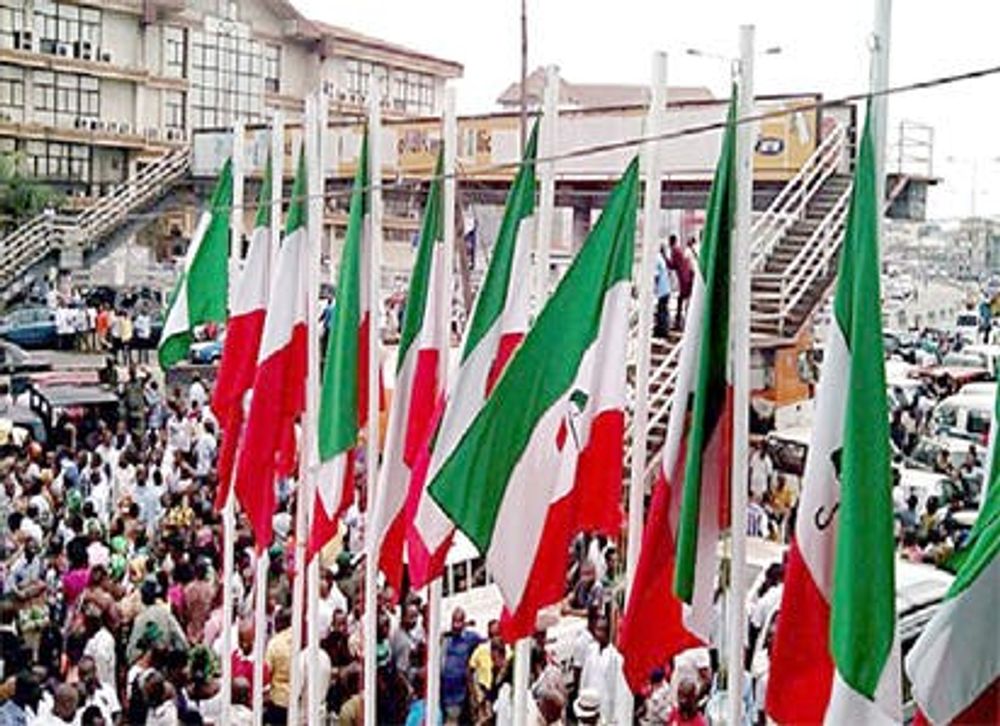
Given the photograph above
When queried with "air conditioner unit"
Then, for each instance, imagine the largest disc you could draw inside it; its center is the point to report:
(124, 127)
(112, 127)
(80, 123)
(341, 96)
(94, 124)
(105, 56)
(6, 117)
(23, 40)
(97, 125)
(84, 50)
(64, 49)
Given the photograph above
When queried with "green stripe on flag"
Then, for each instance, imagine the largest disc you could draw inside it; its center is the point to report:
(493, 294)
(204, 283)
(338, 406)
(430, 234)
(710, 385)
(263, 216)
(471, 483)
(299, 203)
(862, 621)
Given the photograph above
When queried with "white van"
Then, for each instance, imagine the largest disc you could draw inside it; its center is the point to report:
(964, 415)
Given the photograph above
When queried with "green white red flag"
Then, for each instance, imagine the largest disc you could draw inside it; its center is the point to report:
(343, 406)
(541, 461)
(669, 607)
(954, 667)
(243, 332)
(269, 444)
(201, 291)
(420, 375)
(497, 326)
(836, 652)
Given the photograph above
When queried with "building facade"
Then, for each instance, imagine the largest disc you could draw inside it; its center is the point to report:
(88, 89)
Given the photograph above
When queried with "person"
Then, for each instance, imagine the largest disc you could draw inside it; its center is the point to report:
(680, 263)
(908, 518)
(585, 593)
(241, 713)
(659, 704)
(127, 332)
(687, 712)
(761, 470)
(587, 707)
(197, 395)
(21, 708)
(457, 649)
(143, 335)
(602, 671)
(662, 284)
(278, 660)
(65, 700)
(406, 638)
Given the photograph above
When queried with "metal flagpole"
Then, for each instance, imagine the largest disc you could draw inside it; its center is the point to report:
(228, 509)
(647, 268)
(371, 456)
(880, 104)
(301, 527)
(450, 140)
(650, 230)
(309, 458)
(543, 254)
(740, 348)
(263, 560)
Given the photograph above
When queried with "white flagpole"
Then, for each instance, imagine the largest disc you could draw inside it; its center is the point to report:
(263, 560)
(543, 251)
(228, 509)
(650, 238)
(450, 140)
(740, 346)
(880, 104)
(302, 504)
(371, 457)
(315, 130)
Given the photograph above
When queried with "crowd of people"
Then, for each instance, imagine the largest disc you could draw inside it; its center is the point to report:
(123, 330)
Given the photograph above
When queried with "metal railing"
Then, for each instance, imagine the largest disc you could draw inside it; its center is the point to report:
(790, 204)
(51, 232)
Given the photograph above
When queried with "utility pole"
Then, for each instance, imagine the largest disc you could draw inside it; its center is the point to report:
(524, 75)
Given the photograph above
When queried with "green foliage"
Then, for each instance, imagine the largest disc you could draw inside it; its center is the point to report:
(20, 196)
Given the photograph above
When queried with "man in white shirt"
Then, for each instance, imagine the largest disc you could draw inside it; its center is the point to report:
(100, 646)
(602, 672)
(204, 450)
(761, 470)
(331, 600)
(196, 391)
(95, 692)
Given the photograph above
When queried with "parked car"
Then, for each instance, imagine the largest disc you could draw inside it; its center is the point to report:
(30, 327)
(208, 351)
(927, 451)
(15, 360)
(964, 415)
(967, 326)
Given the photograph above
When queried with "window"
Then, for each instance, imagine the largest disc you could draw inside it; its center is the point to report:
(227, 76)
(56, 161)
(11, 22)
(173, 52)
(11, 93)
(173, 102)
(58, 25)
(67, 96)
(413, 92)
(272, 68)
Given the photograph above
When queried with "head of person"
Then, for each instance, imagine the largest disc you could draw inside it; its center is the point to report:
(932, 504)
(687, 698)
(911, 502)
(457, 620)
(282, 620)
(673, 241)
(27, 690)
(65, 701)
(92, 716)
(588, 573)
(410, 617)
(87, 670)
(246, 636)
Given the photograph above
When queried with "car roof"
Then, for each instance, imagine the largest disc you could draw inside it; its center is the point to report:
(919, 478)
(982, 401)
(62, 396)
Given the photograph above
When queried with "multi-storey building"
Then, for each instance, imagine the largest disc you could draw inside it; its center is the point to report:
(89, 90)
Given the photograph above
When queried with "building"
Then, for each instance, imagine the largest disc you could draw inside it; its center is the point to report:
(576, 96)
(91, 90)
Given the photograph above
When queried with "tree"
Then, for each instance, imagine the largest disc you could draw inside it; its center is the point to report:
(20, 196)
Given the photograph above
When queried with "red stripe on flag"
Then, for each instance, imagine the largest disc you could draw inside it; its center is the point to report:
(508, 344)
(422, 564)
(324, 527)
(652, 629)
(801, 674)
(592, 505)
(423, 396)
(278, 401)
(235, 377)
(984, 710)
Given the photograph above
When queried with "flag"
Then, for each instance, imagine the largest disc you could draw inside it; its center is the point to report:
(542, 460)
(243, 330)
(954, 667)
(688, 506)
(343, 405)
(423, 355)
(279, 382)
(497, 326)
(836, 654)
(200, 294)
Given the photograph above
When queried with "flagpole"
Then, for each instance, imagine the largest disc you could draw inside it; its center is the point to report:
(263, 560)
(228, 509)
(740, 345)
(543, 252)
(315, 128)
(301, 524)
(450, 141)
(881, 33)
(650, 228)
(371, 456)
